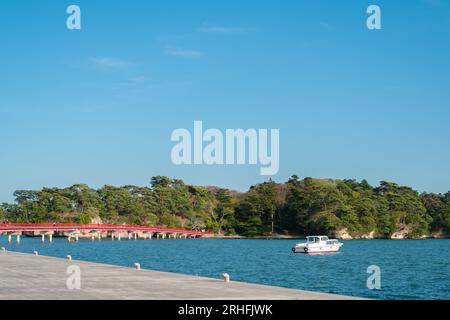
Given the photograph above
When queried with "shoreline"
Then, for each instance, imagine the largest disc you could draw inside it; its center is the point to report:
(275, 237)
(304, 237)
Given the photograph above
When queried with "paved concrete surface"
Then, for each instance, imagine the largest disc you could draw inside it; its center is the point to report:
(29, 277)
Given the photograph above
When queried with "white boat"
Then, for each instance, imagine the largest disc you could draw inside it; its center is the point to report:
(318, 244)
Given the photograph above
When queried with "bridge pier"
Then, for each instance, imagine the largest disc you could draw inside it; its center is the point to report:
(95, 234)
(149, 234)
(49, 234)
(73, 234)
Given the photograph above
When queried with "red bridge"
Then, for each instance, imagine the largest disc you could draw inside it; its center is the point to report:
(99, 231)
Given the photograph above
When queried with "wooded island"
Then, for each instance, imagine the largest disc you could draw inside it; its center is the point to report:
(342, 208)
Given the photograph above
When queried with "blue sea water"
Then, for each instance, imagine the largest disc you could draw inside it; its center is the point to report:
(409, 269)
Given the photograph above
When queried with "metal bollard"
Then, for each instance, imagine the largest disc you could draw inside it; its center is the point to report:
(226, 277)
(137, 266)
(69, 258)
(36, 253)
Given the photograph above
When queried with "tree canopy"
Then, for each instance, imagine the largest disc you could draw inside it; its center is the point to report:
(296, 207)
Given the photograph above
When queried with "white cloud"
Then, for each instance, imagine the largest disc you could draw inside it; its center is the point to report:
(184, 53)
(111, 62)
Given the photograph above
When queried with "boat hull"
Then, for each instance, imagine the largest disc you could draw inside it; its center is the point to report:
(316, 250)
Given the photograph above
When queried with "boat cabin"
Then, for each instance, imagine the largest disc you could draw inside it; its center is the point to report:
(316, 239)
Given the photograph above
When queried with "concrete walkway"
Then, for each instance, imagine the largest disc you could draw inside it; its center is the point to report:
(29, 277)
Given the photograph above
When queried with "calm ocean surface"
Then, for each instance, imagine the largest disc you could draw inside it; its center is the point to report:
(409, 269)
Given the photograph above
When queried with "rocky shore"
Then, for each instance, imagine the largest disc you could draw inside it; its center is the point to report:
(344, 234)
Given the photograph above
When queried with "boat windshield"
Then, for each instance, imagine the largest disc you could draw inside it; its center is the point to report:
(313, 239)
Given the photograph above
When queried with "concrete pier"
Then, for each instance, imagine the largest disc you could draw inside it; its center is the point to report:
(26, 277)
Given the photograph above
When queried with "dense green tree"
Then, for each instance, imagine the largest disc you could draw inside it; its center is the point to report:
(260, 209)
(311, 197)
(223, 209)
(438, 208)
(406, 207)
(84, 198)
(161, 186)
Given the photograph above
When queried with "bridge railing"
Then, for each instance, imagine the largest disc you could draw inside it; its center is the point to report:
(26, 227)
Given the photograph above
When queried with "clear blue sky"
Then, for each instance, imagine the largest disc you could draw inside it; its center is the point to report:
(98, 105)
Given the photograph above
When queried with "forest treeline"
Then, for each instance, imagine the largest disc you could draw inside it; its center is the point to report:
(296, 207)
